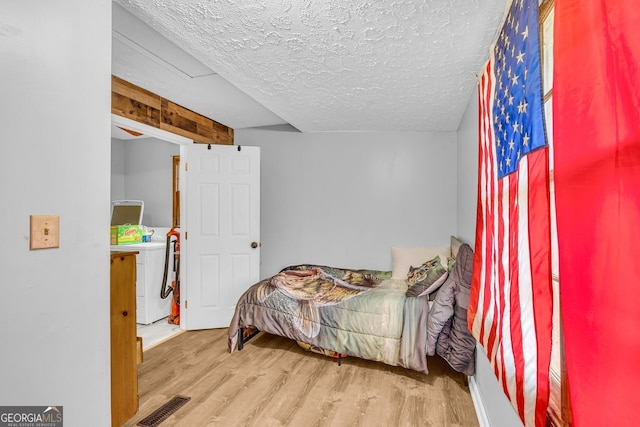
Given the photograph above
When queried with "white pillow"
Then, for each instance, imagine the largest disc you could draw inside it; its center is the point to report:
(455, 245)
(403, 258)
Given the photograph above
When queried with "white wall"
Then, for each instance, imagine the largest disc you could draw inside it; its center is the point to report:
(118, 174)
(55, 109)
(148, 172)
(497, 407)
(343, 199)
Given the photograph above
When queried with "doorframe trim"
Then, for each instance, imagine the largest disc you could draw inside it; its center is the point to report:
(149, 131)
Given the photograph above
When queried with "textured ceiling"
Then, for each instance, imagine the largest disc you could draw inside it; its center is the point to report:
(336, 65)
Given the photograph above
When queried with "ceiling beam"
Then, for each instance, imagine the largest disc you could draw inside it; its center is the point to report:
(140, 105)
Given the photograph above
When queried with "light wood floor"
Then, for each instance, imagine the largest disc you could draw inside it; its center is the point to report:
(273, 382)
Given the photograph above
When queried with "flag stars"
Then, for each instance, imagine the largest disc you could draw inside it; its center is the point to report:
(513, 89)
(522, 107)
(516, 127)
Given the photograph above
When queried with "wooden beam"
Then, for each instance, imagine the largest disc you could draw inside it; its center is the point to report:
(132, 102)
(140, 105)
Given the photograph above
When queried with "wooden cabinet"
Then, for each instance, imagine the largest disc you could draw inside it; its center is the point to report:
(149, 272)
(124, 370)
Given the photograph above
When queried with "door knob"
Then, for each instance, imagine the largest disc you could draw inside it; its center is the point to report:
(254, 245)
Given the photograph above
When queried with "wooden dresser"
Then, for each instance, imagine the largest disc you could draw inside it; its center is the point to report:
(124, 369)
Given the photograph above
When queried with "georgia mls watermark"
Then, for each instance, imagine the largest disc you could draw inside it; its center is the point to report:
(30, 416)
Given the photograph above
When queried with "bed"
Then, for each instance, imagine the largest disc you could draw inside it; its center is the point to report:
(395, 317)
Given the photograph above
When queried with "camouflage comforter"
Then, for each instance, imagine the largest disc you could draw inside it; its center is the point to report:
(361, 313)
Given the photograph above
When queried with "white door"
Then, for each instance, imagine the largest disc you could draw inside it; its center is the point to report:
(221, 252)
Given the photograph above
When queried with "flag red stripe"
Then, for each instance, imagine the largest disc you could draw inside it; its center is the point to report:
(477, 261)
(490, 301)
(499, 276)
(539, 237)
(514, 287)
(478, 301)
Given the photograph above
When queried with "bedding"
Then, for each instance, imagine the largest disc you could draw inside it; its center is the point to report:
(426, 278)
(405, 258)
(336, 311)
(360, 313)
(448, 334)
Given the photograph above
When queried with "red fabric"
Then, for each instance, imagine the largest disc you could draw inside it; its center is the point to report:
(510, 311)
(596, 107)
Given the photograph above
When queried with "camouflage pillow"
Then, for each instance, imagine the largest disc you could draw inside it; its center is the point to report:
(426, 278)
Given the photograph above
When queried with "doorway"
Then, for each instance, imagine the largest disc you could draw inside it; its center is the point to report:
(162, 209)
(220, 253)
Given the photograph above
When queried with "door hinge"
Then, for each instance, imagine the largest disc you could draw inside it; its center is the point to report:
(186, 166)
(186, 235)
(186, 304)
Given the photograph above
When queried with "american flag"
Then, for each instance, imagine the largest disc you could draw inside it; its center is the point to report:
(510, 312)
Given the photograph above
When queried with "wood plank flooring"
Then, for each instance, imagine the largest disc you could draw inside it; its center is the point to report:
(273, 382)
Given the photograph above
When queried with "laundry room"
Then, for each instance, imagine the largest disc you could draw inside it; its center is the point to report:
(144, 184)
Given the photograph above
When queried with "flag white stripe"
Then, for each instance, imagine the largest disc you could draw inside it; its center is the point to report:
(507, 344)
(527, 318)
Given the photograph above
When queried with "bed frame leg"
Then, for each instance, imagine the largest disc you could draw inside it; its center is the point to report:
(242, 340)
(339, 359)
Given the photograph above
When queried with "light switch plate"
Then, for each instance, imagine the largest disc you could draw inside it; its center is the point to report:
(45, 232)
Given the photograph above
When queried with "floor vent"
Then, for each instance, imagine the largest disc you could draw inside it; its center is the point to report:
(164, 412)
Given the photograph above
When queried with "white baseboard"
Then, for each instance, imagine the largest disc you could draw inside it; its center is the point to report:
(483, 420)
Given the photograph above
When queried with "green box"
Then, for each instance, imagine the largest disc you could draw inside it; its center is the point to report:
(126, 234)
